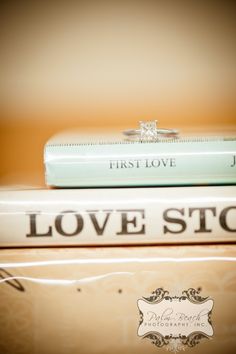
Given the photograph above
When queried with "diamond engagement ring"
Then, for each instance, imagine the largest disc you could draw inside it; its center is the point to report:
(148, 131)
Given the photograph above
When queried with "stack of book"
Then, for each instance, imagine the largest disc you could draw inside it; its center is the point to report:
(131, 249)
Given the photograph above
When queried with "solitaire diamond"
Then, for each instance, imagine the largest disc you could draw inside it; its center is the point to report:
(148, 130)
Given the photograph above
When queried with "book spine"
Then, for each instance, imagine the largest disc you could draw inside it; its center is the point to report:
(141, 164)
(118, 216)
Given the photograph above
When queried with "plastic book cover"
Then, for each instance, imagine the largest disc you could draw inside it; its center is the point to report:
(120, 300)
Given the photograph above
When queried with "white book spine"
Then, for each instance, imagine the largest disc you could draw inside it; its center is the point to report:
(117, 216)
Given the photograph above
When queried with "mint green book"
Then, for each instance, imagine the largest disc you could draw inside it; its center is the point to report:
(79, 160)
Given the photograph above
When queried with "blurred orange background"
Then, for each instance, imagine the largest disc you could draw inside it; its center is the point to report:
(68, 64)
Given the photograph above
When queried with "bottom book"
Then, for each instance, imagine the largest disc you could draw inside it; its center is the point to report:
(118, 300)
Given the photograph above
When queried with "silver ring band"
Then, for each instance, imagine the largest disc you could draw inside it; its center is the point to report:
(158, 131)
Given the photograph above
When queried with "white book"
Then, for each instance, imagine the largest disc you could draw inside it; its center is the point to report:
(117, 216)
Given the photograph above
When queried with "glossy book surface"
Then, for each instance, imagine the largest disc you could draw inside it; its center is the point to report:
(130, 300)
(73, 160)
